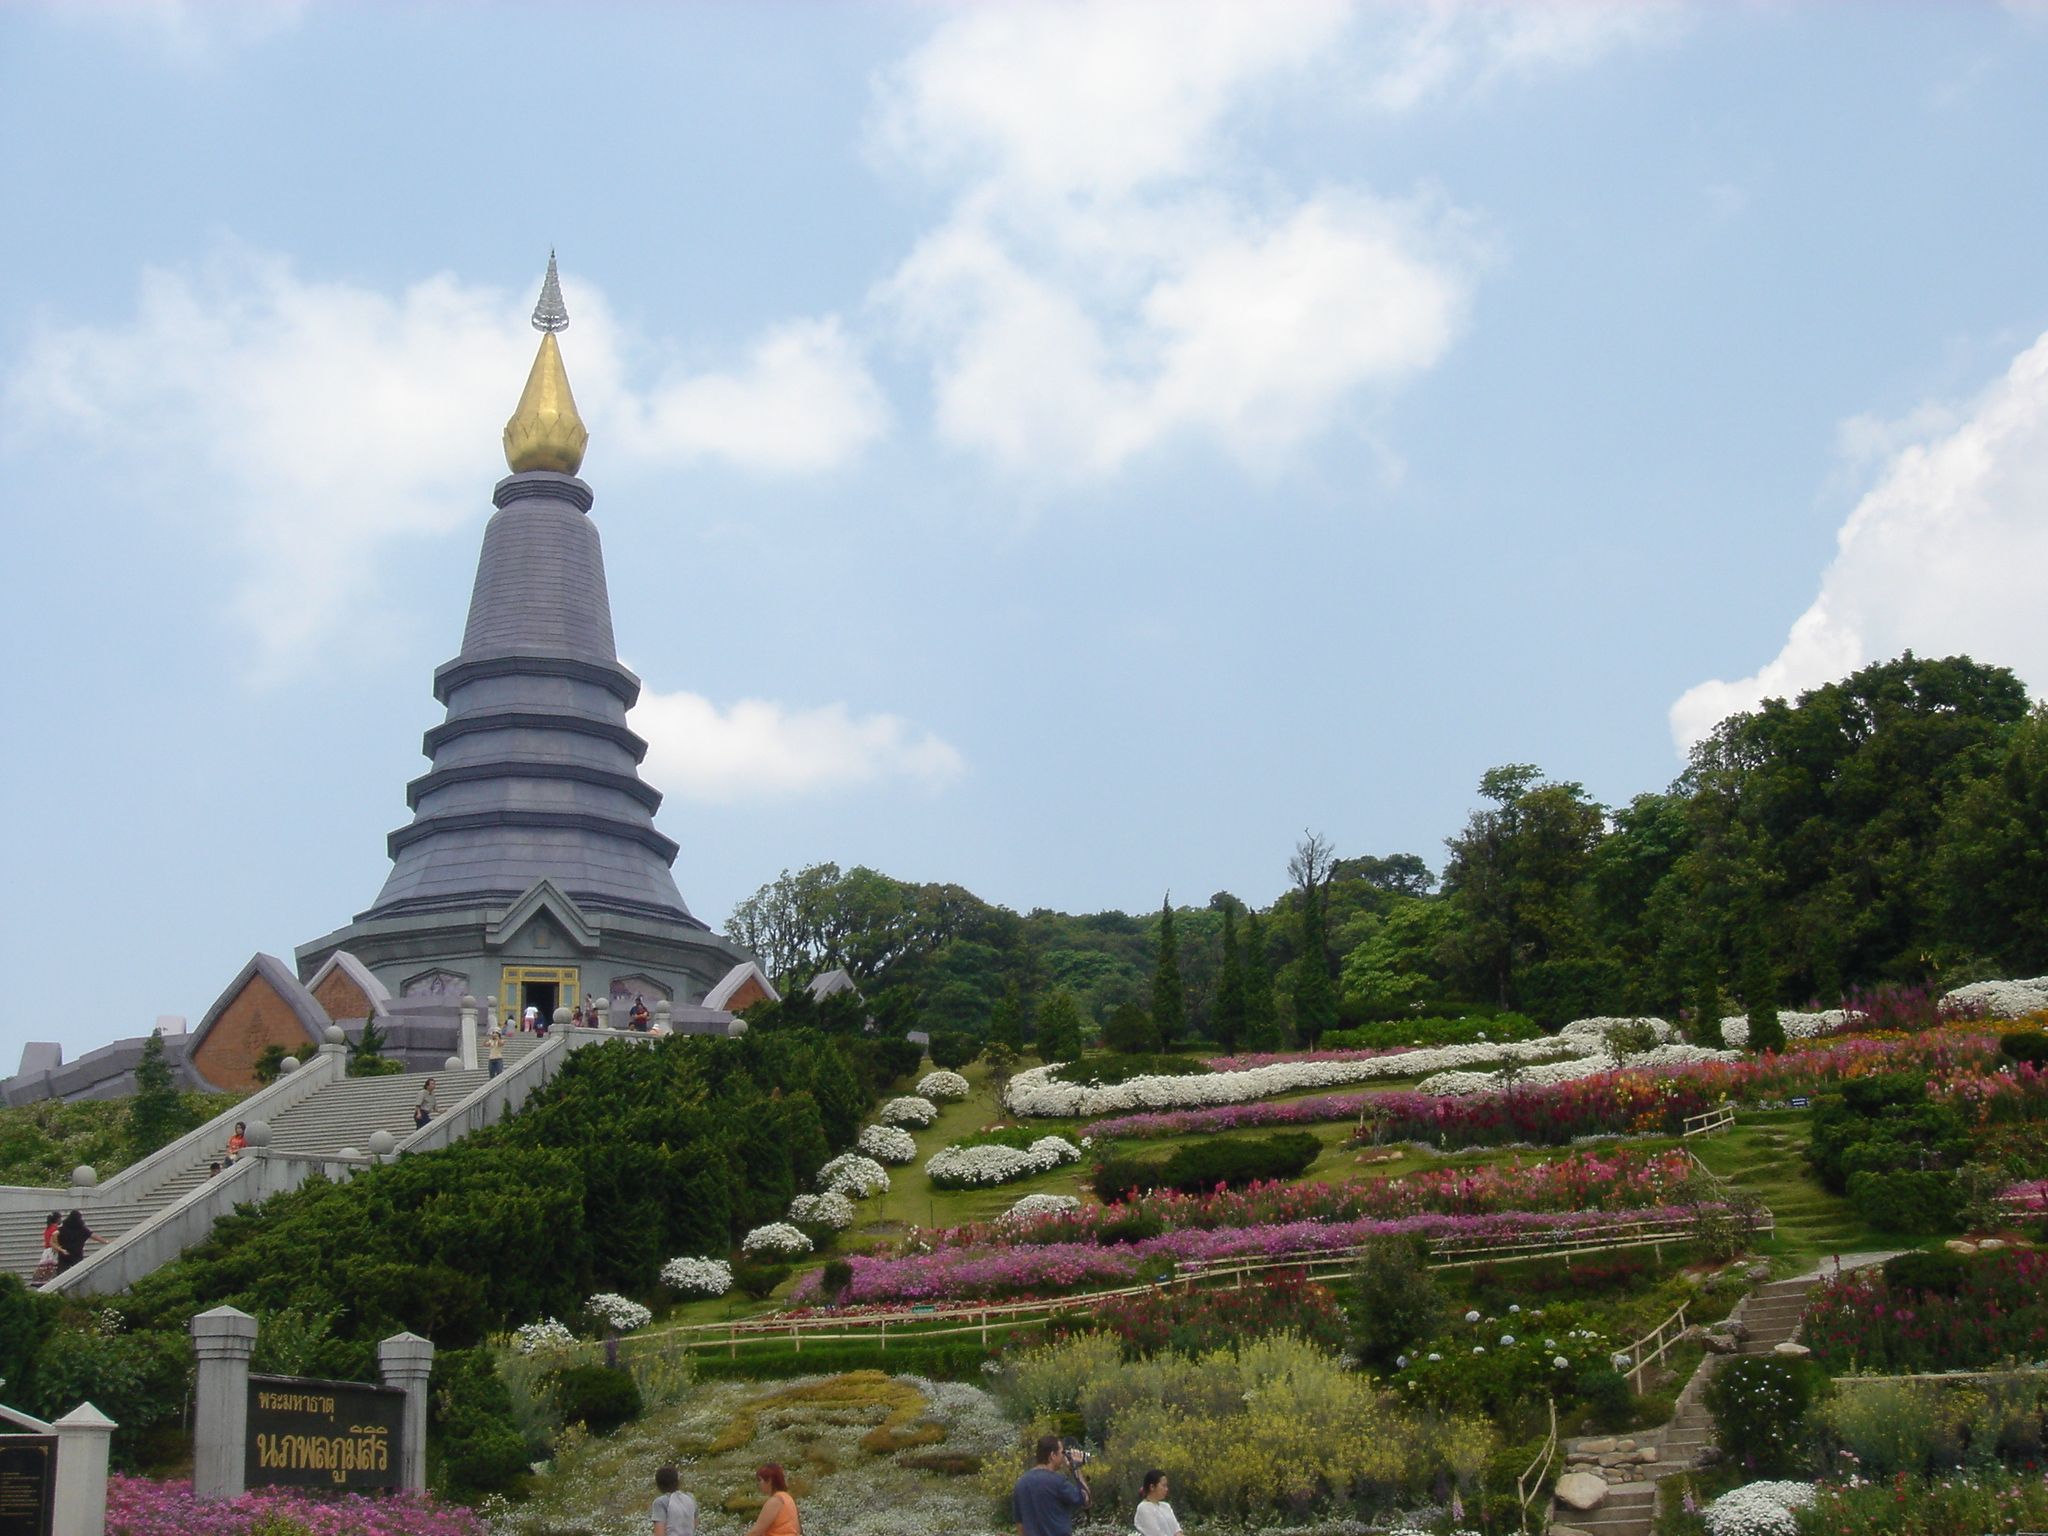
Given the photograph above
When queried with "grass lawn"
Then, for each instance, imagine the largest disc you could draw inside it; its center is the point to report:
(1765, 1155)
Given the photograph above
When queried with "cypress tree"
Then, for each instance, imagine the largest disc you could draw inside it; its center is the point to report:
(1169, 998)
(1315, 995)
(156, 1115)
(1006, 1021)
(1261, 1024)
(1230, 997)
(1760, 994)
(1706, 1005)
(1060, 1029)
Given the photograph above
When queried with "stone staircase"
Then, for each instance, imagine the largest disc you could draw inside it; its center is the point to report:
(340, 1115)
(1768, 1317)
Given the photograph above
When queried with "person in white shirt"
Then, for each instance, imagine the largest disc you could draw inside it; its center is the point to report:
(1155, 1517)
(674, 1512)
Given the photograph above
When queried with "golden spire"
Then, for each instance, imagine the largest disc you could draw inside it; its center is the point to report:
(545, 432)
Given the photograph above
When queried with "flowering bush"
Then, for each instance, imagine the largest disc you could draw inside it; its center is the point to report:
(1950, 1506)
(1990, 1309)
(1005, 1267)
(855, 1176)
(541, 1337)
(1195, 1320)
(140, 1506)
(909, 1110)
(887, 1143)
(1244, 1061)
(1797, 1026)
(1997, 999)
(831, 1210)
(778, 1239)
(697, 1277)
(617, 1313)
(960, 1167)
(1758, 1509)
(1759, 1404)
(945, 1087)
(1546, 1073)
(1036, 1207)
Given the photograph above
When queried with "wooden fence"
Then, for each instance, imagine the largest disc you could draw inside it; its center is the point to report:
(1536, 1476)
(1655, 1344)
(1710, 1122)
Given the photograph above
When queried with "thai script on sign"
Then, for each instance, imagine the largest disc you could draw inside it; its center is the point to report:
(295, 1402)
(365, 1448)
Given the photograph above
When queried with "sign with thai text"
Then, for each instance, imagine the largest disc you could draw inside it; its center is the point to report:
(323, 1434)
(28, 1484)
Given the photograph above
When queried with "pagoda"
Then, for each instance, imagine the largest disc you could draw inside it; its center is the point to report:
(531, 873)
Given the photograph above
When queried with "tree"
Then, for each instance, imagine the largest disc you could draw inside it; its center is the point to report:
(157, 1116)
(1398, 874)
(1760, 992)
(1315, 995)
(1129, 1031)
(1706, 1005)
(1006, 1021)
(1393, 1300)
(1261, 1022)
(1992, 861)
(1229, 1017)
(1169, 998)
(1061, 1030)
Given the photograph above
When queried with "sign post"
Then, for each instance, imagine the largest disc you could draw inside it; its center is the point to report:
(343, 1436)
(28, 1485)
(223, 1340)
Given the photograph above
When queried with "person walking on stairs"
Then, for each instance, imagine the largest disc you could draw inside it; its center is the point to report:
(497, 1051)
(428, 1107)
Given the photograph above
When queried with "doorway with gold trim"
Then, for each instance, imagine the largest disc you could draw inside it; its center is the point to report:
(546, 987)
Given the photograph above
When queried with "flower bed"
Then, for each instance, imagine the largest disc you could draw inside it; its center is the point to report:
(887, 1144)
(1994, 1310)
(1949, 1506)
(697, 1277)
(1546, 1073)
(960, 1274)
(542, 1337)
(972, 1167)
(1579, 1181)
(1758, 1509)
(140, 1506)
(1245, 1062)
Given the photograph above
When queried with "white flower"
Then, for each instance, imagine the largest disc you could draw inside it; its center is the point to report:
(1514, 1306)
(1434, 1355)
(909, 1111)
(1478, 1349)
(697, 1277)
(887, 1143)
(1506, 1339)
(1032, 1207)
(1559, 1362)
(1622, 1360)
(831, 1209)
(1472, 1316)
(2000, 999)
(541, 1337)
(853, 1175)
(1758, 1509)
(1797, 1026)
(946, 1087)
(1400, 1362)
(1550, 1343)
(616, 1312)
(957, 1165)
(778, 1238)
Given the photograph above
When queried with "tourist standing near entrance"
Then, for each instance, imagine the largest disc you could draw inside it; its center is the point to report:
(778, 1515)
(674, 1512)
(1155, 1517)
(428, 1106)
(1046, 1497)
(497, 1051)
(529, 1021)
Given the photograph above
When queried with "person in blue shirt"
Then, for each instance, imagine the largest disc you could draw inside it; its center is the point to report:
(1046, 1497)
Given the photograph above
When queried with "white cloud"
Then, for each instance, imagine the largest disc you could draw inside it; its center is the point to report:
(1936, 557)
(322, 423)
(1110, 272)
(758, 750)
(185, 31)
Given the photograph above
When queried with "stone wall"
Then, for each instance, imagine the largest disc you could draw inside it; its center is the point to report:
(340, 995)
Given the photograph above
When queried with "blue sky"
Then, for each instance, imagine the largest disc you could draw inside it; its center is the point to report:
(1065, 451)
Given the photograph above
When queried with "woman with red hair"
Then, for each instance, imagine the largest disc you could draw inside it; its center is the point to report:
(778, 1509)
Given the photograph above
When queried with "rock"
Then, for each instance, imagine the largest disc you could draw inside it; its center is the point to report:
(1791, 1350)
(1758, 1272)
(1718, 1344)
(1735, 1328)
(1600, 1446)
(1581, 1491)
(1613, 1459)
(1990, 1244)
(1625, 1445)
(1957, 1245)
(1646, 1456)
(1581, 1457)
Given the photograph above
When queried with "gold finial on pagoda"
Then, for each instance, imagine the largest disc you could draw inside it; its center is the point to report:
(545, 432)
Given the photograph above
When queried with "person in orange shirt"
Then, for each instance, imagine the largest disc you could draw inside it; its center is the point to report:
(238, 1142)
(778, 1515)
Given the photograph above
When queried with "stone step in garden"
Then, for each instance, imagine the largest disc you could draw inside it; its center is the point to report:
(1625, 1511)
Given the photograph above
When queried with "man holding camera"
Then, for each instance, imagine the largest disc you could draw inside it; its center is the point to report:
(1046, 1497)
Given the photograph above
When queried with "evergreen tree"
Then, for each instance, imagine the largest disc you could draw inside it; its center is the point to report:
(1315, 995)
(1169, 998)
(1760, 993)
(1061, 1032)
(1706, 1005)
(157, 1116)
(1261, 1023)
(1230, 997)
(1006, 1021)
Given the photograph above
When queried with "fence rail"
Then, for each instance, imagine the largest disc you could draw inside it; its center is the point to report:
(1655, 1344)
(1709, 1122)
(1537, 1473)
(940, 1320)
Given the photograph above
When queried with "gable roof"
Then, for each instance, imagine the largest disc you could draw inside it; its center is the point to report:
(544, 896)
(341, 960)
(830, 984)
(736, 978)
(303, 1004)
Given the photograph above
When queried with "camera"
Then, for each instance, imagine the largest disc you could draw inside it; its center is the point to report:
(1076, 1457)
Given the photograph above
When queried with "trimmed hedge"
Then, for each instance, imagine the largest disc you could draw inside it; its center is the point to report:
(1195, 1169)
(601, 1397)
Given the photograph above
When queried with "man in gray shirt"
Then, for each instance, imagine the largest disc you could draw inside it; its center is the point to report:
(674, 1513)
(1046, 1497)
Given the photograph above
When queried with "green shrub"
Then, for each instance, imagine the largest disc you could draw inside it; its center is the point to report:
(600, 1397)
(1136, 1225)
(1940, 1273)
(2025, 1045)
(1202, 1166)
(1885, 1124)
(1393, 1300)
(890, 1058)
(1910, 1201)
(954, 1049)
(1760, 1408)
(475, 1445)
(1098, 1072)
(137, 1378)
(835, 1277)
(1129, 1031)
(1606, 1395)
(758, 1277)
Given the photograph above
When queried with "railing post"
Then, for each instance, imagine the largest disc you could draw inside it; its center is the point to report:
(405, 1361)
(82, 1438)
(222, 1340)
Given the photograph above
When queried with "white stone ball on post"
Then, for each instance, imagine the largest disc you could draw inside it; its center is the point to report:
(258, 1133)
(289, 1065)
(452, 1064)
(336, 1035)
(561, 1018)
(84, 1176)
(382, 1143)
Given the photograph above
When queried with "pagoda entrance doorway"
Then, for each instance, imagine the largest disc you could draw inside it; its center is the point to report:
(545, 987)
